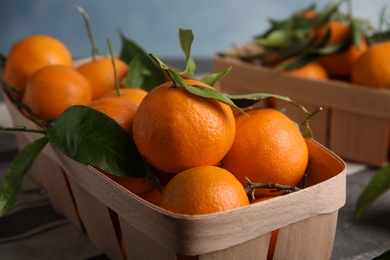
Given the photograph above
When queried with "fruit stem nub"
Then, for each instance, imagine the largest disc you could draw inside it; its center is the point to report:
(10, 91)
(114, 67)
(95, 50)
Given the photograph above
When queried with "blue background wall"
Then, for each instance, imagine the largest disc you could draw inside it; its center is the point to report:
(153, 24)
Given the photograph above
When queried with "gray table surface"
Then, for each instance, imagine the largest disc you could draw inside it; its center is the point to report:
(33, 230)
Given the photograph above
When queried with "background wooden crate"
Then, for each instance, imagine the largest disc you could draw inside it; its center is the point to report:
(354, 123)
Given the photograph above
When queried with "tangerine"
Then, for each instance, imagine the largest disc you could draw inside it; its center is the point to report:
(268, 147)
(272, 244)
(203, 190)
(312, 70)
(309, 14)
(100, 74)
(121, 110)
(54, 88)
(176, 130)
(32, 53)
(372, 68)
(135, 95)
(340, 63)
(144, 188)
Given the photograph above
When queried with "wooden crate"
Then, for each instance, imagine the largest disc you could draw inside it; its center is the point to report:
(306, 219)
(117, 220)
(354, 123)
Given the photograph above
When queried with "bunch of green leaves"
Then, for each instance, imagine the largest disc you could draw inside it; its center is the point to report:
(289, 38)
(235, 101)
(143, 71)
(383, 32)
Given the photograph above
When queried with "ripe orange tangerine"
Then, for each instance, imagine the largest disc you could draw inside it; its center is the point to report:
(340, 63)
(312, 70)
(101, 76)
(372, 68)
(32, 53)
(176, 130)
(54, 88)
(134, 95)
(268, 147)
(203, 190)
(122, 111)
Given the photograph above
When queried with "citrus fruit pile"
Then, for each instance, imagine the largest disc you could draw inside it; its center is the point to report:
(327, 44)
(200, 151)
(41, 71)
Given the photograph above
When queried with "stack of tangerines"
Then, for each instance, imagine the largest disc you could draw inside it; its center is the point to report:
(200, 150)
(328, 44)
(41, 69)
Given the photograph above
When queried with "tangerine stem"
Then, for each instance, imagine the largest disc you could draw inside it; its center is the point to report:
(22, 128)
(252, 186)
(85, 16)
(10, 92)
(310, 116)
(118, 92)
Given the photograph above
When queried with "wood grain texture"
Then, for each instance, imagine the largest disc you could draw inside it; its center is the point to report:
(360, 137)
(96, 221)
(194, 235)
(308, 239)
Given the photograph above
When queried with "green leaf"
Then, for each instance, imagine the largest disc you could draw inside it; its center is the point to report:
(297, 62)
(196, 90)
(91, 137)
(213, 78)
(378, 37)
(379, 184)
(137, 74)
(356, 31)
(186, 38)
(211, 93)
(247, 100)
(328, 12)
(20, 166)
(276, 39)
(131, 50)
